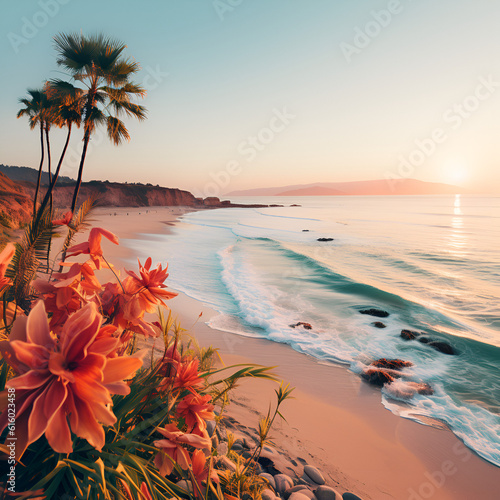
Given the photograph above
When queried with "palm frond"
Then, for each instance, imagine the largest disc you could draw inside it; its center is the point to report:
(30, 251)
(117, 131)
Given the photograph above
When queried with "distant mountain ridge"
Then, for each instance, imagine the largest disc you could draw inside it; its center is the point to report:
(373, 187)
(30, 174)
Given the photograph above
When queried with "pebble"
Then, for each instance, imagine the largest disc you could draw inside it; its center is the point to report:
(270, 478)
(283, 482)
(297, 495)
(350, 496)
(300, 488)
(185, 485)
(237, 447)
(210, 427)
(215, 441)
(227, 464)
(222, 449)
(267, 494)
(314, 474)
(326, 493)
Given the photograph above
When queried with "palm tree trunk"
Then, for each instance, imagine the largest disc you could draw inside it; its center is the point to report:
(86, 140)
(56, 175)
(49, 160)
(39, 170)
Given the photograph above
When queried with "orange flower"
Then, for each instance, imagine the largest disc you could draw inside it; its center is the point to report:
(92, 247)
(172, 451)
(66, 219)
(81, 275)
(149, 288)
(72, 376)
(196, 410)
(185, 377)
(200, 468)
(5, 258)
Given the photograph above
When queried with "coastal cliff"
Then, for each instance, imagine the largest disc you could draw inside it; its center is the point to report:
(15, 203)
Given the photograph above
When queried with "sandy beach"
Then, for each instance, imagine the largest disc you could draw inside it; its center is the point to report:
(336, 421)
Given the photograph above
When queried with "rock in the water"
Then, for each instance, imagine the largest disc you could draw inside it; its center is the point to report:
(267, 494)
(375, 312)
(326, 493)
(409, 334)
(391, 364)
(443, 347)
(377, 377)
(270, 478)
(350, 496)
(325, 239)
(425, 389)
(283, 482)
(307, 326)
(314, 474)
(378, 324)
(384, 371)
(424, 340)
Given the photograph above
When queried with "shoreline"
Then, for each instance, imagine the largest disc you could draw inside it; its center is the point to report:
(336, 421)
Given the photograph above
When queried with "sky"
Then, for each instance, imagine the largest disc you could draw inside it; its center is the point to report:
(257, 93)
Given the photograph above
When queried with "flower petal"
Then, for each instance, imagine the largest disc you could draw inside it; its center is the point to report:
(37, 328)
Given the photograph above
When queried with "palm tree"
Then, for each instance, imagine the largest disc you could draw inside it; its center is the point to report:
(96, 63)
(66, 111)
(35, 109)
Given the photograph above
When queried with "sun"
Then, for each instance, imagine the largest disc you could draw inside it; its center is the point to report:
(456, 171)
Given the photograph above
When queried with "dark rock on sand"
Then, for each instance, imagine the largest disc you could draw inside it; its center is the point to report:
(305, 230)
(325, 239)
(307, 326)
(409, 334)
(283, 483)
(326, 493)
(314, 474)
(270, 478)
(375, 312)
(378, 324)
(350, 496)
(268, 465)
(443, 347)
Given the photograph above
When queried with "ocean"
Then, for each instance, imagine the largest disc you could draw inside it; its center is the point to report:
(432, 262)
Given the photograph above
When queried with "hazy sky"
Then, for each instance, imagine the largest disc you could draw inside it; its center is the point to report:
(253, 93)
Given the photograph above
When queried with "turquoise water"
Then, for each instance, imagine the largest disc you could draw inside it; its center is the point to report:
(432, 262)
